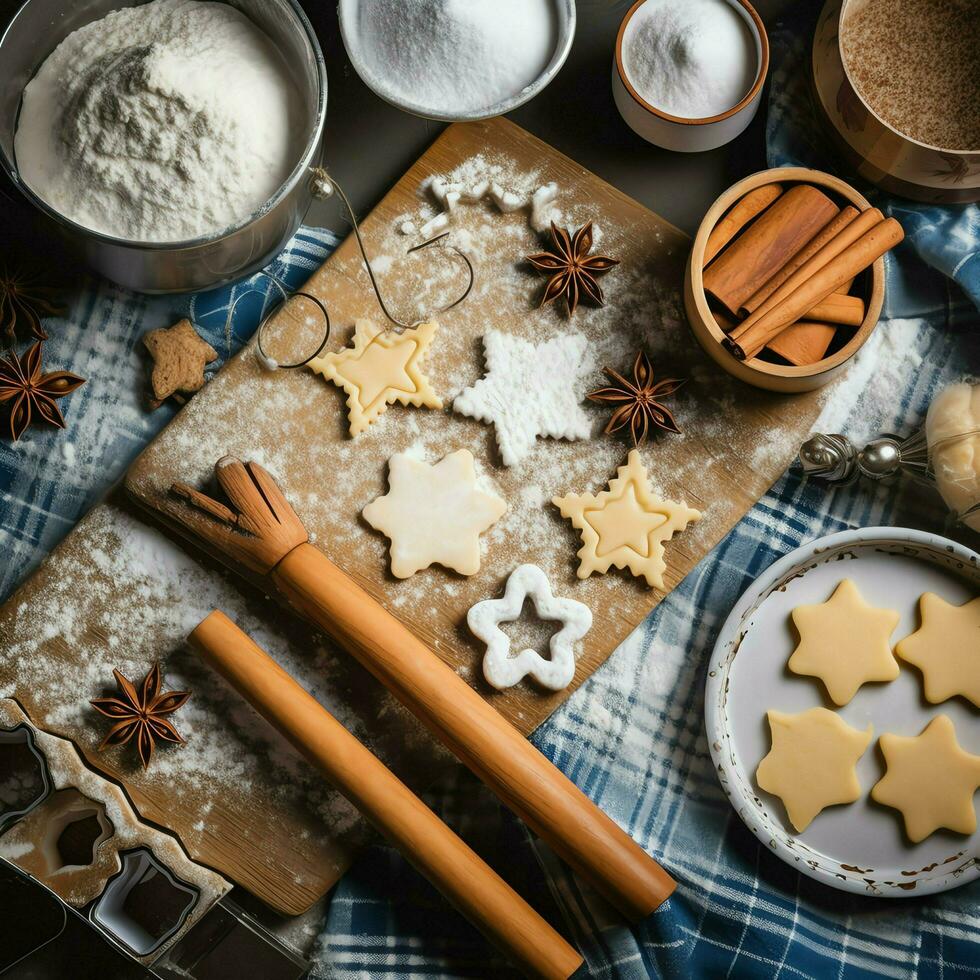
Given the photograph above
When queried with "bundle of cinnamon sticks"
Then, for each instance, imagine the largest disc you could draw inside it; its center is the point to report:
(780, 265)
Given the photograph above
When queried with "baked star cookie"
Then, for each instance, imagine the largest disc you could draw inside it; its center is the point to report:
(626, 525)
(930, 779)
(381, 368)
(844, 642)
(530, 390)
(433, 514)
(811, 763)
(946, 648)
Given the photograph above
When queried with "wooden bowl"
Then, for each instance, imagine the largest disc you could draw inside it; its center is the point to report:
(756, 371)
(877, 151)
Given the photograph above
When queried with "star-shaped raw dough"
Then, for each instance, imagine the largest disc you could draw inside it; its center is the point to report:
(946, 648)
(626, 525)
(844, 642)
(179, 358)
(499, 667)
(433, 514)
(930, 779)
(529, 390)
(811, 763)
(383, 367)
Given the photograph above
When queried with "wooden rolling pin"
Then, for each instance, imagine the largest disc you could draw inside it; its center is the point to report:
(262, 533)
(461, 875)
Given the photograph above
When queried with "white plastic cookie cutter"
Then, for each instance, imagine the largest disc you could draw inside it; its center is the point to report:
(502, 670)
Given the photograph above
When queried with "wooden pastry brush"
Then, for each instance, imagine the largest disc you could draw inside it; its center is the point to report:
(261, 532)
(461, 875)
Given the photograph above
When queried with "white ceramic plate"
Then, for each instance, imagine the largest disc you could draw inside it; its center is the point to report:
(860, 847)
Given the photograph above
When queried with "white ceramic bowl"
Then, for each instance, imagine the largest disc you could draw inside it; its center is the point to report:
(858, 847)
(347, 11)
(677, 132)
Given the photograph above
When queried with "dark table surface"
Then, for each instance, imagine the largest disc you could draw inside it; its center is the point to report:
(370, 144)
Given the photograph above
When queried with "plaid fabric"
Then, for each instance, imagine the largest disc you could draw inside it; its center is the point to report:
(633, 736)
(48, 479)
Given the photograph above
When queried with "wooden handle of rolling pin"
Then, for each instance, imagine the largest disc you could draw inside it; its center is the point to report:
(550, 803)
(470, 884)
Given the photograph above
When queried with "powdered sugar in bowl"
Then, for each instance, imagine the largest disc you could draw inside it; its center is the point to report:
(457, 59)
(688, 74)
(122, 144)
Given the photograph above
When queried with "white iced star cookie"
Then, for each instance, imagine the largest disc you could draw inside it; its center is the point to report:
(380, 368)
(433, 514)
(625, 526)
(502, 670)
(529, 390)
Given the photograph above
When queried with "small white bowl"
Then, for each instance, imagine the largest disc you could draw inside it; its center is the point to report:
(347, 11)
(678, 132)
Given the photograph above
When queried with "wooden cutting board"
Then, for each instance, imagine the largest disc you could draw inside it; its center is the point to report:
(736, 442)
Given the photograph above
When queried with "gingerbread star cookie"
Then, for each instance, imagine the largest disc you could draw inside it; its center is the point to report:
(381, 368)
(844, 642)
(179, 358)
(811, 764)
(930, 779)
(530, 390)
(433, 514)
(946, 648)
(626, 525)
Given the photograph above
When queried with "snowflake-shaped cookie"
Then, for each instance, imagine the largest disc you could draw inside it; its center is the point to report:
(499, 667)
(529, 390)
(381, 368)
(626, 525)
(433, 514)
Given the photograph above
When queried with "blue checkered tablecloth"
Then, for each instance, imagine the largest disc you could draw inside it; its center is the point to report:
(632, 737)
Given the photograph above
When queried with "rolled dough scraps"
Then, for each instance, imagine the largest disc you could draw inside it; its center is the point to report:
(381, 368)
(930, 779)
(844, 642)
(811, 764)
(946, 648)
(501, 669)
(433, 514)
(625, 526)
(530, 390)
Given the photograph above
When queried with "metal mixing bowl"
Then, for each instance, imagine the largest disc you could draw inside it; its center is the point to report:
(171, 267)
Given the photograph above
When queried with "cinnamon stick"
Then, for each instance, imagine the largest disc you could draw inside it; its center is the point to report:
(838, 308)
(829, 231)
(843, 240)
(854, 259)
(803, 342)
(777, 235)
(738, 216)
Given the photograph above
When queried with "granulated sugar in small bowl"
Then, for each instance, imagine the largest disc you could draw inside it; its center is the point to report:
(688, 74)
(457, 59)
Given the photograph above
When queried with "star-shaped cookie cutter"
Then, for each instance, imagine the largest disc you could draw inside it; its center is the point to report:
(502, 670)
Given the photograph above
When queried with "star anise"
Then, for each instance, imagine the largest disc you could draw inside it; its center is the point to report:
(31, 392)
(24, 299)
(140, 713)
(573, 271)
(638, 401)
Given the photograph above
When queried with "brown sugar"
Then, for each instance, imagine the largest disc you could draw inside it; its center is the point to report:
(916, 63)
